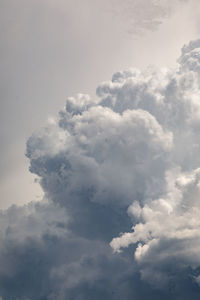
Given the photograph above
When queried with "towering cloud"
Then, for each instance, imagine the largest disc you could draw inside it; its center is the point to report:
(121, 177)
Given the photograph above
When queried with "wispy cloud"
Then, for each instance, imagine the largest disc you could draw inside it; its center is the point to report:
(144, 15)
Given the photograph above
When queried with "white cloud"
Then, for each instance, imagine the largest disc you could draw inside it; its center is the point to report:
(172, 217)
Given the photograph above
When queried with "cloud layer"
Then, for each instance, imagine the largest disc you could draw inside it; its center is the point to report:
(121, 177)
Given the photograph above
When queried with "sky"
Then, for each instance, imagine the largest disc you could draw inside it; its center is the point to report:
(100, 178)
(52, 50)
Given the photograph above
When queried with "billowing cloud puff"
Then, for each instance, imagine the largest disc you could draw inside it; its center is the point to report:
(121, 176)
(167, 229)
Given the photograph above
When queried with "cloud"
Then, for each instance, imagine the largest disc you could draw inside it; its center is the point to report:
(121, 177)
(144, 15)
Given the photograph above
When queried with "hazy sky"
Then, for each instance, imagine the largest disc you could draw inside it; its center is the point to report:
(54, 49)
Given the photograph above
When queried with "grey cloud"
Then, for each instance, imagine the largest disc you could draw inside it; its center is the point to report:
(190, 56)
(119, 173)
(144, 15)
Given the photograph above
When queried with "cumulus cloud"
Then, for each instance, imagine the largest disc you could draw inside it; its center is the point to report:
(121, 177)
